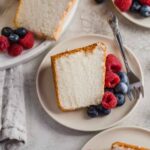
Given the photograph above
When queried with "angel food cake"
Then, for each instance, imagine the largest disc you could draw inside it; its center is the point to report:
(79, 76)
(125, 146)
(46, 18)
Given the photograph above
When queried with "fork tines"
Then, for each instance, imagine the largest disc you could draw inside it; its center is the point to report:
(135, 90)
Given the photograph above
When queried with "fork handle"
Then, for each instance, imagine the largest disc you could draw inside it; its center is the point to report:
(113, 22)
(120, 43)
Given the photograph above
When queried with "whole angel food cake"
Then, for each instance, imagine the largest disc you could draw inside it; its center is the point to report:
(79, 76)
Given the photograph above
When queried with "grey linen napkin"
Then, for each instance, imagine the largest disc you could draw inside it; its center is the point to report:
(12, 109)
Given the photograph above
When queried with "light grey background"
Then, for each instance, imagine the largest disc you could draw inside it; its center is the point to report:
(43, 132)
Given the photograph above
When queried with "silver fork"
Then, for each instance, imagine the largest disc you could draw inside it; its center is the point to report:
(135, 84)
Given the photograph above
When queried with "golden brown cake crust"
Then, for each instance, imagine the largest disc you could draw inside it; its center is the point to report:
(125, 145)
(87, 49)
(58, 29)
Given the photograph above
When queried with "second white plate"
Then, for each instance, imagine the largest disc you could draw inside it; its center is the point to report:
(130, 135)
(78, 119)
(6, 19)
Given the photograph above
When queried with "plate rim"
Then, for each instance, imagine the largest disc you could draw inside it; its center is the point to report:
(128, 18)
(27, 57)
(116, 128)
(68, 126)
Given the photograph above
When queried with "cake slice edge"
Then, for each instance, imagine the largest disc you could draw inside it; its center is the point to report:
(126, 146)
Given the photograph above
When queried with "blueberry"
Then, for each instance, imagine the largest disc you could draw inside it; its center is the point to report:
(6, 31)
(92, 111)
(120, 99)
(109, 90)
(123, 77)
(99, 1)
(13, 38)
(121, 88)
(145, 11)
(21, 32)
(102, 111)
(136, 6)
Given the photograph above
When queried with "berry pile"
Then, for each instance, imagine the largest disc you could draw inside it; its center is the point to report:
(116, 87)
(141, 7)
(15, 41)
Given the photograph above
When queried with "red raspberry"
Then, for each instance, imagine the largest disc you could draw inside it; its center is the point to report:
(111, 79)
(123, 5)
(4, 43)
(15, 49)
(113, 63)
(145, 2)
(27, 41)
(109, 100)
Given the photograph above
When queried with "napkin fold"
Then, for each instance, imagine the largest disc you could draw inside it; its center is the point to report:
(12, 109)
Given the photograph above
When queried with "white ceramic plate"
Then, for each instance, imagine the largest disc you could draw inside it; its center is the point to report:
(78, 119)
(135, 18)
(131, 135)
(6, 19)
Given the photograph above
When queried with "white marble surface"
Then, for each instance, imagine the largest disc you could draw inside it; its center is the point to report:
(43, 132)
